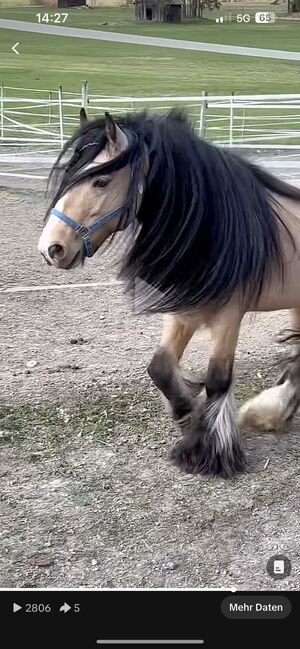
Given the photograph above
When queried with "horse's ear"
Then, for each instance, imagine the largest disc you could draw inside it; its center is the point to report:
(110, 128)
(83, 117)
(117, 140)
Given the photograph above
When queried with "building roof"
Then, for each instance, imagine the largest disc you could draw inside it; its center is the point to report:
(159, 2)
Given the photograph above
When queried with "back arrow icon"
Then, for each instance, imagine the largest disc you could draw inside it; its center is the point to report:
(14, 48)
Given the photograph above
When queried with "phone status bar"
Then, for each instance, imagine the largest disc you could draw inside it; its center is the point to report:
(260, 17)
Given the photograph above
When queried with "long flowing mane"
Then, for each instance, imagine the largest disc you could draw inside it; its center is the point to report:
(209, 223)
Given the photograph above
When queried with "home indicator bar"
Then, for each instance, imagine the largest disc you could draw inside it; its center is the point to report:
(149, 642)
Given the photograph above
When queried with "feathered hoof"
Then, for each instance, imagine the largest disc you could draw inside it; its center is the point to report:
(269, 410)
(192, 456)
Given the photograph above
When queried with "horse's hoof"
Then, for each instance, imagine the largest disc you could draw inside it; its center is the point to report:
(183, 455)
(270, 410)
(195, 457)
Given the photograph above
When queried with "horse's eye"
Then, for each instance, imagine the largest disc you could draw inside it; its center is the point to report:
(101, 182)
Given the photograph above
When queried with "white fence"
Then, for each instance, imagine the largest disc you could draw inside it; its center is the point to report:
(35, 124)
(45, 119)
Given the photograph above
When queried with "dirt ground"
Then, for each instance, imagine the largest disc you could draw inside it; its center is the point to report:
(88, 496)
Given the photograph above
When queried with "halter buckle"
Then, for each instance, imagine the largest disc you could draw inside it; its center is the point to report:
(81, 229)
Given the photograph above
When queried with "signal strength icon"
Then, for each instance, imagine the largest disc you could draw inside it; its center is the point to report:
(224, 19)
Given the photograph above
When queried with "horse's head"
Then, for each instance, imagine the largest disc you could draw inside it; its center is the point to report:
(99, 192)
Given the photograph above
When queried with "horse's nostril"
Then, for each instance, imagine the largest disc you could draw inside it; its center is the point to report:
(56, 250)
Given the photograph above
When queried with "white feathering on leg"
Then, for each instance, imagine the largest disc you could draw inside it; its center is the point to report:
(222, 420)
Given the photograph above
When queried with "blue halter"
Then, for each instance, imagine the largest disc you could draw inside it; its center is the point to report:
(86, 232)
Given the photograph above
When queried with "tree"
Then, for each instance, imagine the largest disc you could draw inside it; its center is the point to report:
(293, 6)
(195, 8)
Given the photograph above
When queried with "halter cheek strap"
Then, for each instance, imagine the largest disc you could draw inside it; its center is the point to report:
(87, 232)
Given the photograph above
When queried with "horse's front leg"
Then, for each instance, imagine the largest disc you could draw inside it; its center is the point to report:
(212, 446)
(177, 389)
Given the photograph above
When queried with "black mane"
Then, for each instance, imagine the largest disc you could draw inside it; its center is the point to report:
(208, 223)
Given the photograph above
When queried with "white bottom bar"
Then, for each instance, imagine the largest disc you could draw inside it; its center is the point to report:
(149, 642)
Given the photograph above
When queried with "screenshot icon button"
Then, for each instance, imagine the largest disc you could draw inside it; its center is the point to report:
(279, 566)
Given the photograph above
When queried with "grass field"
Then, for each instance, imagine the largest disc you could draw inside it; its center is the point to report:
(46, 61)
(283, 35)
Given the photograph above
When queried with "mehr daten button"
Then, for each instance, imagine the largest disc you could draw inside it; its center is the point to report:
(258, 607)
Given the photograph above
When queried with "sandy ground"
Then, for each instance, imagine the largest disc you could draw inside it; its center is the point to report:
(88, 496)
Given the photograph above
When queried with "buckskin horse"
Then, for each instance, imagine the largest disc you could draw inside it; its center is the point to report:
(210, 237)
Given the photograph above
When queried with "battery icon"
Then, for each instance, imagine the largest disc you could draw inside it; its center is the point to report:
(265, 17)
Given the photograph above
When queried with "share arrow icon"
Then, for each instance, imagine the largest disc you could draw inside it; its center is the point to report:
(65, 607)
(14, 48)
(16, 607)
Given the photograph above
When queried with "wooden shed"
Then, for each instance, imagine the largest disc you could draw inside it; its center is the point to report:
(71, 3)
(164, 11)
(60, 4)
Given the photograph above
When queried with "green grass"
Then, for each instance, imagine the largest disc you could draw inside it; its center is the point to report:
(283, 35)
(45, 61)
(118, 69)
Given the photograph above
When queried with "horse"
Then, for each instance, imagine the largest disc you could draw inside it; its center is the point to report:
(210, 236)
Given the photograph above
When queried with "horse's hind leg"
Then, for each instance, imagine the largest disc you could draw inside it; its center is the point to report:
(212, 446)
(178, 391)
(272, 408)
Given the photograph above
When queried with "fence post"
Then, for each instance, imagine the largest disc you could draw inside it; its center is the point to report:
(202, 124)
(2, 111)
(61, 116)
(243, 123)
(85, 95)
(231, 120)
(50, 107)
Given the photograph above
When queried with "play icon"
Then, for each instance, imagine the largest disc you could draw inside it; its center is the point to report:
(16, 607)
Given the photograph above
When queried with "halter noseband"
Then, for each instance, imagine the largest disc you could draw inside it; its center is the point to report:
(86, 232)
